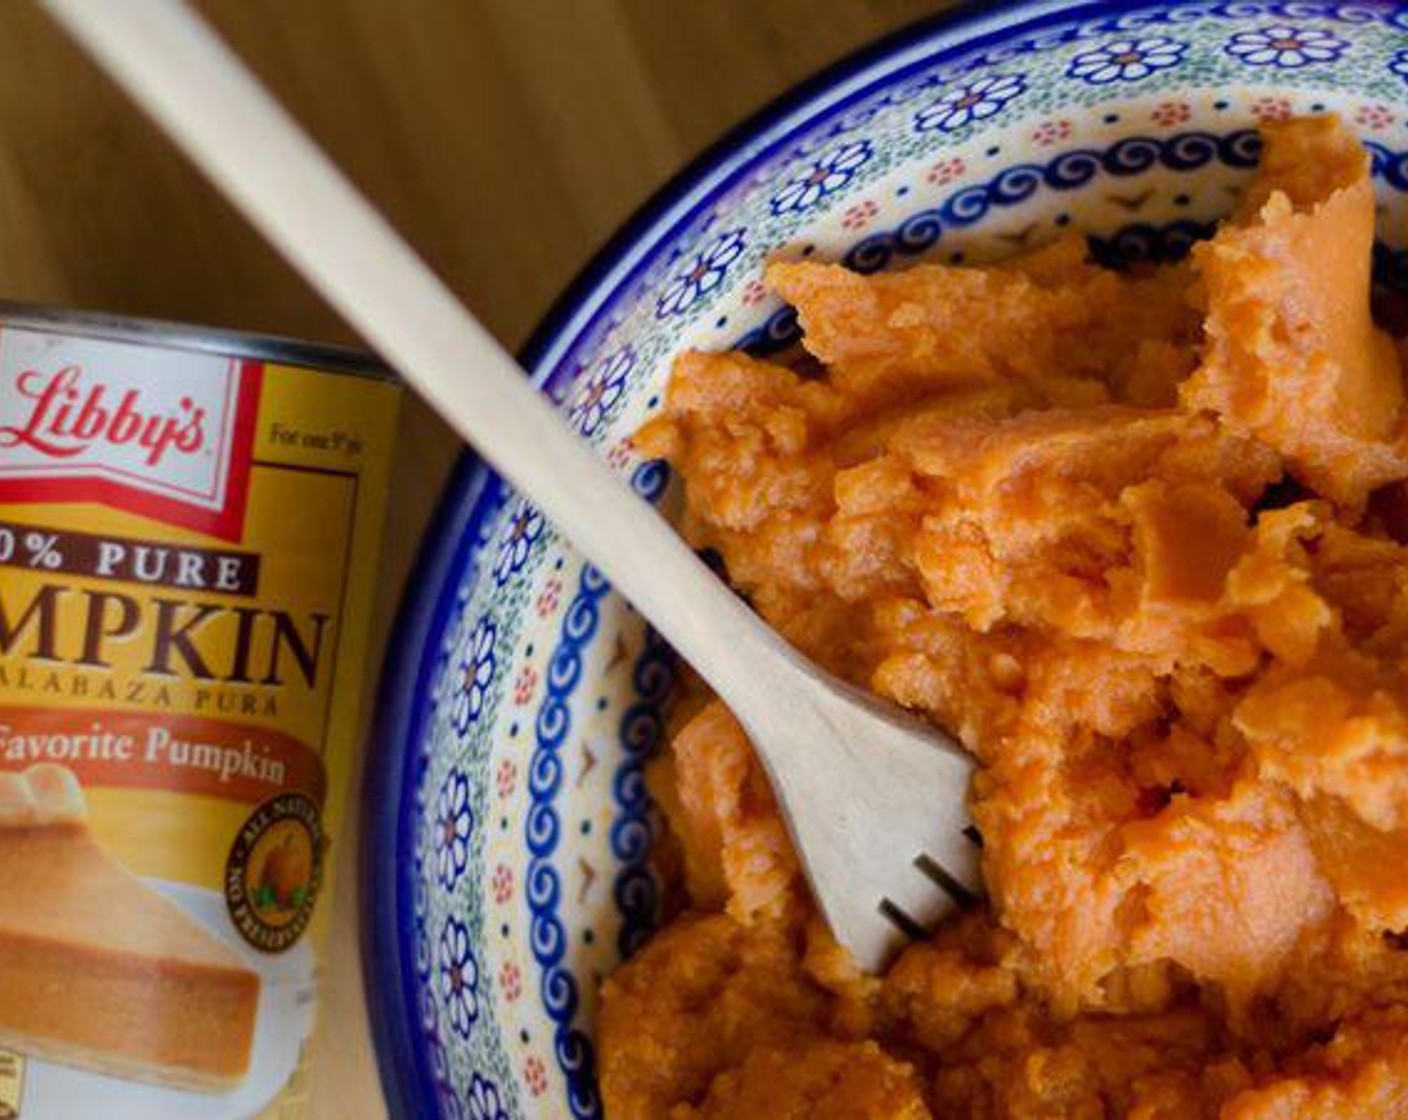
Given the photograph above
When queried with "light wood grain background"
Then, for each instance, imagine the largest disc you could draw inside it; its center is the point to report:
(505, 138)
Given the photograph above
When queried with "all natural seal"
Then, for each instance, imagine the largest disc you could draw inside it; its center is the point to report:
(274, 872)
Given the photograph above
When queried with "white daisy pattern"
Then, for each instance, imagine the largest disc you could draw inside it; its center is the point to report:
(827, 176)
(1285, 46)
(975, 101)
(454, 821)
(1127, 60)
(705, 273)
(601, 391)
(483, 1100)
(474, 673)
(524, 530)
(459, 978)
(1398, 64)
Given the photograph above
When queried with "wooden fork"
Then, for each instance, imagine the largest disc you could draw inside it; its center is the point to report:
(875, 800)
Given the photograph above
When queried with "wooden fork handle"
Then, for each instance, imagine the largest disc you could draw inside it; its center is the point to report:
(205, 98)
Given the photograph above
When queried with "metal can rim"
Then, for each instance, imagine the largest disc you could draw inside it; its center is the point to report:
(327, 357)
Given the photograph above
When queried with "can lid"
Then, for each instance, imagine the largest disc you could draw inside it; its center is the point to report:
(186, 336)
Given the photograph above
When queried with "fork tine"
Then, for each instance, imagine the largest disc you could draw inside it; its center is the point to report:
(913, 902)
(961, 895)
(902, 921)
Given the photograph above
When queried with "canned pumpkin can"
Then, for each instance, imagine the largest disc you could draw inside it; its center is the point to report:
(189, 527)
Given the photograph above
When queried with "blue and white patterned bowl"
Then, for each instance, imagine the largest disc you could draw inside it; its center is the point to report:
(505, 866)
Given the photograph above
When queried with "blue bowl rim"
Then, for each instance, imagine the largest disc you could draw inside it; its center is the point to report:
(473, 491)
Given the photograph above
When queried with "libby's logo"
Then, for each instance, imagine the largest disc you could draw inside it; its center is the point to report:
(165, 434)
(69, 416)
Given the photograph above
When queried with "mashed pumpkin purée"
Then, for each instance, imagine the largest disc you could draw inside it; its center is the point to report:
(1137, 539)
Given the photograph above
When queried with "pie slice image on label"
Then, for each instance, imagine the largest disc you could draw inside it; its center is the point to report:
(101, 972)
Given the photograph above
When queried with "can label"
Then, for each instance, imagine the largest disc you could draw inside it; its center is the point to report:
(187, 545)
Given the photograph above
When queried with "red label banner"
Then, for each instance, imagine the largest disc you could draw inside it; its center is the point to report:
(183, 754)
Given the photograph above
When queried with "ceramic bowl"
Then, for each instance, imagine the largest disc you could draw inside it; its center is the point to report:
(505, 863)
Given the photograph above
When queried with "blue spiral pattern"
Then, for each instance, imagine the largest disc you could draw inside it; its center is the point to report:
(641, 732)
(633, 832)
(543, 886)
(1145, 243)
(777, 333)
(1134, 155)
(650, 479)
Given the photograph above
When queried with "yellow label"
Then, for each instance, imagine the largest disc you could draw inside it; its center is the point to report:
(187, 557)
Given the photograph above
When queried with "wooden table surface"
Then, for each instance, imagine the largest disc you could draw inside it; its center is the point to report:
(505, 138)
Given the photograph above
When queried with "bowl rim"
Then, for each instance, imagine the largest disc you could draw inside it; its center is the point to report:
(474, 493)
